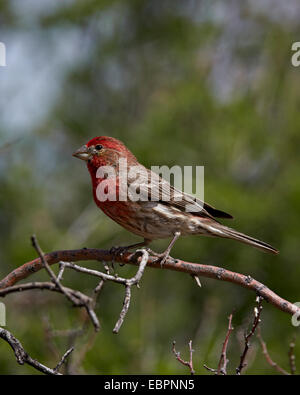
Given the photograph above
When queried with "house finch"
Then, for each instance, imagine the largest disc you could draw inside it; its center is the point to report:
(150, 216)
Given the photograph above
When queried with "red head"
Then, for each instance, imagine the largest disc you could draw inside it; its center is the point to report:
(103, 151)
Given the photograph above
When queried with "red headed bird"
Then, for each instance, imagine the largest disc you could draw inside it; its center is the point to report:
(150, 216)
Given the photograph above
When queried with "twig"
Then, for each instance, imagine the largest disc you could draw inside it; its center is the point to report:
(22, 356)
(256, 321)
(215, 371)
(129, 283)
(208, 271)
(124, 310)
(267, 356)
(80, 301)
(115, 278)
(63, 359)
(99, 288)
(197, 279)
(292, 357)
(77, 297)
(45, 285)
(53, 277)
(222, 366)
(189, 363)
(61, 271)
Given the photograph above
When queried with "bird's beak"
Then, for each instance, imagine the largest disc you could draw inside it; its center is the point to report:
(83, 153)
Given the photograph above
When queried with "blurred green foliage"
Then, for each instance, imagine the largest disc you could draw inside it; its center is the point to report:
(187, 83)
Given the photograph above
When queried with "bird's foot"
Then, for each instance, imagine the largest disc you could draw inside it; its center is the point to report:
(118, 251)
(162, 258)
(121, 250)
(156, 254)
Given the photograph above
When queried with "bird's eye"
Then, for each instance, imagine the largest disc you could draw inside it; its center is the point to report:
(98, 147)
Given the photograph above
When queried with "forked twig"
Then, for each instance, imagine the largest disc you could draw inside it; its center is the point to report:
(256, 321)
(23, 357)
(189, 363)
(222, 366)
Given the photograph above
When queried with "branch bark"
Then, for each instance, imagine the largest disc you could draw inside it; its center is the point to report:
(195, 269)
(222, 366)
(256, 322)
(22, 356)
(189, 363)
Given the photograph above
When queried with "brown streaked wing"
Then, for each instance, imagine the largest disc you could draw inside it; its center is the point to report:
(178, 198)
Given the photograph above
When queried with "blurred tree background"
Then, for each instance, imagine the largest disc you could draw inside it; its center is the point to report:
(194, 82)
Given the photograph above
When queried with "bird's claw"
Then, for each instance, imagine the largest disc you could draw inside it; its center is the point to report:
(118, 251)
(162, 259)
(156, 254)
(115, 251)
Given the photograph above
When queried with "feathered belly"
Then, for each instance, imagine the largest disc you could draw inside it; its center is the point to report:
(151, 220)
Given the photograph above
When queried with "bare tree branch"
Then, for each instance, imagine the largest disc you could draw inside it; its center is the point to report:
(22, 356)
(222, 366)
(195, 269)
(189, 363)
(81, 299)
(52, 276)
(63, 359)
(256, 321)
(76, 297)
(142, 259)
